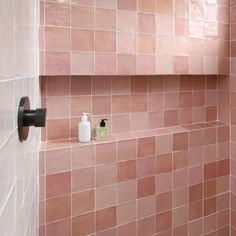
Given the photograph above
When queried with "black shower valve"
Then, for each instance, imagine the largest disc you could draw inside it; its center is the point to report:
(27, 118)
(34, 118)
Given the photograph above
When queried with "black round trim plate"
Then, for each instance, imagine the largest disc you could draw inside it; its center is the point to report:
(23, 131)
(27, 118)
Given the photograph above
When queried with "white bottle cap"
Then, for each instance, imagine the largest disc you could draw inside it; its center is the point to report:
(85, 117)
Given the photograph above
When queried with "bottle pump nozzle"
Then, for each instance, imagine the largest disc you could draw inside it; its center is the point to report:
(85, 117)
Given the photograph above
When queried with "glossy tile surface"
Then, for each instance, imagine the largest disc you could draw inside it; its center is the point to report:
(141, 187)
(19, 76)
(135, 37)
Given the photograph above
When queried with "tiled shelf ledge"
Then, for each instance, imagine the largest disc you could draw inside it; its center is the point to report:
(178, 175)
(57, 144)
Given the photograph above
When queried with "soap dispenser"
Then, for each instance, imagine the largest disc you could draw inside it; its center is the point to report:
(102, 131)
(84, 129)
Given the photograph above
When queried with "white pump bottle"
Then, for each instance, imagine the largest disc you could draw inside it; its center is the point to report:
(84, 129)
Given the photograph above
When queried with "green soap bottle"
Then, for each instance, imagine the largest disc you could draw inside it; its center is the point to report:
(102, 131)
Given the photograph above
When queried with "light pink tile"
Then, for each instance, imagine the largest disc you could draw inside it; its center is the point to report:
(120, 123)
(147, 226)
(127, 191)
(57, 14)
(126, 43)
(126, 64)
(106, 197)
(126, 21)
(106, 175)
(128, 229)
(58, 107)
(57, 63)
(146, 166)
(58, 160)
(57, 39)
(146, 207)
(82, 40)
(145, 64)
(105, 64)
(126, 213)
(83, 179)
(164, 182)
(105, 153)
(82, 16)
(105, 19)
(59, 228)
(82, 157)
(82, 63)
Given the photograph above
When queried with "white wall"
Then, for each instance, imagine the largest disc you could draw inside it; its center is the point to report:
(19, 73)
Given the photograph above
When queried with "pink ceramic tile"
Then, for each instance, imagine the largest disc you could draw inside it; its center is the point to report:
(126, 170)
(79, 105)
(82, 16)
(165, 8)
(138, 103)
(59, 228)
(106, 197)
(146, 206)
(57, 129)
(120, 123)
(58, 208)
(146, 166)
(88, 199)
(180, 179)
(82, 179)
(82, 63)
(57, 39)
(58, 160)
(126, 43)
(146, 23)
(146, 44)
(126, 213)
(82, 157)
(128, 229)
(127, 191)
(127, 5)
(145, 64)
(105, 63)
(106, 175)
(105, 153)
(105, 19)
(82, 40)
(105, 218)
(56, 86)
(164, 221)
(57, 14)
(105, 41)
(84, 224)
(147, 226)
(101, 105)
(126, 64)
(163, 202)
(57, 107)
(164, 182)
(57, 63)
(106, 4)
(146, 186)
(146, 146)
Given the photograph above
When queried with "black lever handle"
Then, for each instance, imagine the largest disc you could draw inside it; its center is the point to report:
(27, 118)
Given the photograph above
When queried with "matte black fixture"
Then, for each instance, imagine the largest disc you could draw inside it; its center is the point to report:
(27, 118)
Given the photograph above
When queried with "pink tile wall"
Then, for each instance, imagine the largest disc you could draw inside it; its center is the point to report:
(232, 91)
(130, 103)
(164, 182)
(19, 76)
(134, 37)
